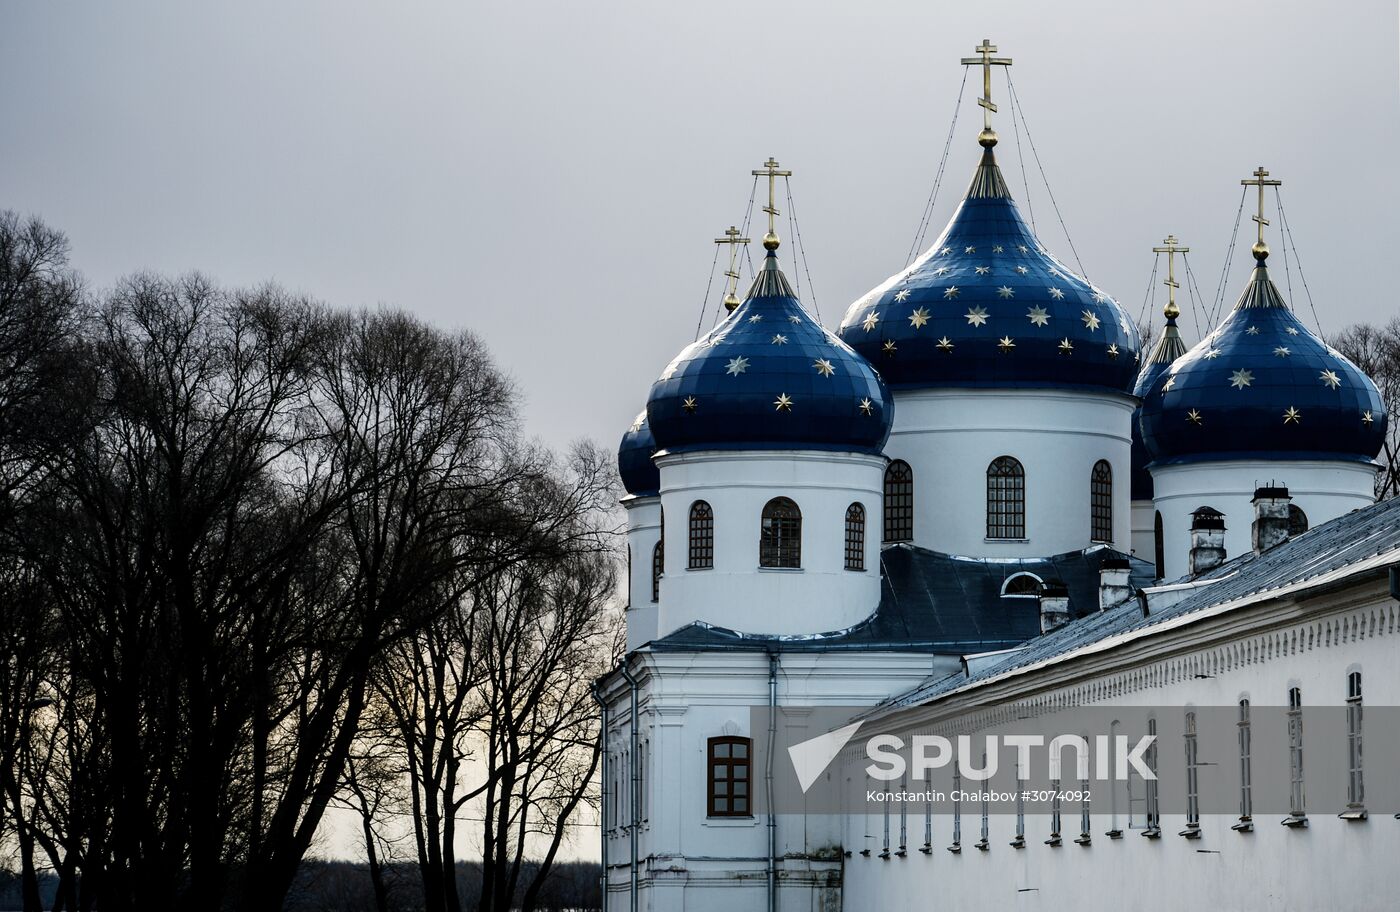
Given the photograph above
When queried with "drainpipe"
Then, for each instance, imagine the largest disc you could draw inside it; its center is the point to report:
(768, 782)
(603, 792)
(636, 786)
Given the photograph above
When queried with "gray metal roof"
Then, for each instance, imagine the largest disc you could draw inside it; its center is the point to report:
(1334, 545)
(935, 602)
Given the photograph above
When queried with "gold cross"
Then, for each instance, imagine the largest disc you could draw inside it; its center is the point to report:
(770, 168)
(986, 62)
(1171, 249)
(731, 237)
(1261, 250)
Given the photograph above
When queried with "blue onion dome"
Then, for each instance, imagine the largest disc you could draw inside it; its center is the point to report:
(1261, 386)
(770, 376)
(640, 476)
(988, 306)
(1169, 347)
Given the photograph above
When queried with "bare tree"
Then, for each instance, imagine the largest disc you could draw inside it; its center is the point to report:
(1376, 350)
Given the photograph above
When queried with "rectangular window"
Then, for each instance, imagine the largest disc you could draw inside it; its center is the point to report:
(1296, 800)
(1020, 839)
(1356, 792)
(729, 777)
(1193, 793)
(1152, 813)
(957, 811)
(1054, 839)
(1246, 766)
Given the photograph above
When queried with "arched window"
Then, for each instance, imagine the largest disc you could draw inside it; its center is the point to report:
(1101, 502)
(702, 536)
(780, 537)
(1297, 520)
(1021, 585)
(658, 566)
(729, 777)
(1159, 546)
(1006, 499)
(899, 502)
(855, 537)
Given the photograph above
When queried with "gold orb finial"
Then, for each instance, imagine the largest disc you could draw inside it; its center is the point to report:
(1260, 251)
(731, 302)
(1171, 310)
(770, 241)
(987, 138)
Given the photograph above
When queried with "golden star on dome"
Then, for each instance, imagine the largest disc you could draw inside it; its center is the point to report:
(794, 318)
(1023, 248)
(1066, 346)
(889, 348)
(1292, 330)
(969, 250)
(1113, 350)
(977, 316)
(945, 344)
(736, 366)
(780, 339)
(1056, 273)
(783, 403)
(1366, 418)
(870, 320)
(1099, 297)
(1006, 344)
(919, 317)
(1282, 351)
(717, 339)
(983, 270)
(1212, 354)
(950, 292)
(1330, 378)
(1253, 330)
(1090, 319)
(756, 318)
(867, 406)
(1171, 381)
(941, 271)
(946, 250)
(996, 248)
(1038, 315)
(1292, 416)
(902, 295)
(689, 405)
(1193, 416)
(1022, 270)
(824, 367)
(1006, 291)
(1241, 378)
(1056, 293)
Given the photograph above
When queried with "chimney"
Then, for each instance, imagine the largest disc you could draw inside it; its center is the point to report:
(1270, 527)
(1207, 540)
(1054, 605)
(1113, 582)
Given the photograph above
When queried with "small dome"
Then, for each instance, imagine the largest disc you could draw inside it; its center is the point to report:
(987, 306)
(639, 474)
(1169, 347)
(1262, 386)
(769, 376)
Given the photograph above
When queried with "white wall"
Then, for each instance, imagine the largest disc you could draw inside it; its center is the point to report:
(1323, 490)
(1143, 530)
(643, 532)
(950, 436)
(822, 596)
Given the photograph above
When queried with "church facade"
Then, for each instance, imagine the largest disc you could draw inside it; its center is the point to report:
(977, 501)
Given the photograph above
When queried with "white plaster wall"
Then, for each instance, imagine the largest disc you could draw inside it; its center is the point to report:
(1333, 864)
(643, 531)
(822, 596)
(1143, 531)
(949, 437)
(1323, 490)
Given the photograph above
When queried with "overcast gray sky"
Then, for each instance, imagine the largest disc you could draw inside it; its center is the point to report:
(552, 175)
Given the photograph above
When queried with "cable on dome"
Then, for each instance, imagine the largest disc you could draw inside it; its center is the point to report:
(1229, 258)
(1197, 299)
(797, 236)
(1016, 129)
(705, 302)
(1016, 105)
(1288, 235)
(927, 216)
(1149, 294)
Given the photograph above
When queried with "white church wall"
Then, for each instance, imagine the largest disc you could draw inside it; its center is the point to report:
(1330, 864)
(950, 436)
(643, 532)
(1143, 539)
(1322, 490)
(736, 592)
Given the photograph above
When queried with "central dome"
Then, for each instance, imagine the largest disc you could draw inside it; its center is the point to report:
(987, 306)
